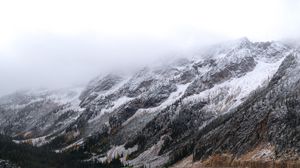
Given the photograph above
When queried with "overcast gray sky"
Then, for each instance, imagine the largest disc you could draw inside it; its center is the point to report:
(58, 43)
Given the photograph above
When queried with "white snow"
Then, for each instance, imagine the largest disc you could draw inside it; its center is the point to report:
(116, 104)
(68, 96)
(263, 154)
(116, 87)
(256, 78)
(220, 56)
(237, 89)
(61, 96)
(115, 152)
(40, 141)
(77, 143)
(174, 96)
(150, 158)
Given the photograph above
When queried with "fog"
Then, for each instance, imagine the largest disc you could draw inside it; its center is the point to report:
(64, 43)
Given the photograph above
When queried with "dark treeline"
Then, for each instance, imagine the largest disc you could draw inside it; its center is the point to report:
(27, 156)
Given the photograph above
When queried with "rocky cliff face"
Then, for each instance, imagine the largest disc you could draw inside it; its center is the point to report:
(238, 98)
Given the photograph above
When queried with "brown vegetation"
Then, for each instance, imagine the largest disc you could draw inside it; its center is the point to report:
(226, 160)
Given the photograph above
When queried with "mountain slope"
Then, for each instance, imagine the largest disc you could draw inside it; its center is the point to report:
(38, 114)
(234, 98)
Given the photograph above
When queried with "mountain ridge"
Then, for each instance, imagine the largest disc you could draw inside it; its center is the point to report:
(159, 115)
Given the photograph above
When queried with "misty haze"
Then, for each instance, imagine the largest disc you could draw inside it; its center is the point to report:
(179, 84)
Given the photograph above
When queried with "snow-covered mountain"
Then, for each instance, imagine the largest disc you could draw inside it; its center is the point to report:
(238, 98)
(33, 114)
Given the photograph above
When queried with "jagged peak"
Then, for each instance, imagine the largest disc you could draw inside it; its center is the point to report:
(239, 43)
(243, 40)
(226, 46)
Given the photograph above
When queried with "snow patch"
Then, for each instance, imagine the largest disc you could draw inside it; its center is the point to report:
(233, 92)
(40, 141)
(174, 96)
(150, 157)
(116, 104)
(75, 144)
(116, 152)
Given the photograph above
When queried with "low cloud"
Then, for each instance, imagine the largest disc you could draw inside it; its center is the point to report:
(55, 61)
(80, 40)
